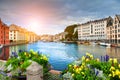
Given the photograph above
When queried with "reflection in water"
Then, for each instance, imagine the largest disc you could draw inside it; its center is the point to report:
(17, 48)
(113, 52)
(61, 54)
(4, 53)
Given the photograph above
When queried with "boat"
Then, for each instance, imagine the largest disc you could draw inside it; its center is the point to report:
(105, 44)
(1, 45)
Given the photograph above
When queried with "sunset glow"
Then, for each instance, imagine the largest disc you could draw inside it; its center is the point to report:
(34, 25)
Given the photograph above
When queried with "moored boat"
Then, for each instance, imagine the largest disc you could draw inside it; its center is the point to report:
(105, 44)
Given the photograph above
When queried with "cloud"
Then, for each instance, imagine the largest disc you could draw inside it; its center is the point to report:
(56, 14)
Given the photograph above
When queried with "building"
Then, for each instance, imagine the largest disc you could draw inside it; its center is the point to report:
(94, 30)
(4, 33)
(46, 37)
(60, 36)
(18, 34)
(116, 29)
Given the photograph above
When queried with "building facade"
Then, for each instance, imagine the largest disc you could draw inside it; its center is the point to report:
(18, 34)
(4, 33)
(116, 29)
(94, 30)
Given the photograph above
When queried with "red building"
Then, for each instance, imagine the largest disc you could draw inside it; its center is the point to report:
(4, 33)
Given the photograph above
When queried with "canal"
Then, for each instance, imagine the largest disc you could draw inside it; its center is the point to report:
(61, 54)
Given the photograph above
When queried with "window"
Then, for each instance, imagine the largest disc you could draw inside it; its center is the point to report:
(118, 35)
(115, 26)
(118, 30)
(91, 28)
(115, 31)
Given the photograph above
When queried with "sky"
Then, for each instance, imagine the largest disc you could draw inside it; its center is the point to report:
(52, 16)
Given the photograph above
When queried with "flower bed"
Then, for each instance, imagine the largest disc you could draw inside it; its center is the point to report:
(18, 63)
(90, 68)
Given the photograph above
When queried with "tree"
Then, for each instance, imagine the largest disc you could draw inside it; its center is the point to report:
(75, 36)
(70, 30)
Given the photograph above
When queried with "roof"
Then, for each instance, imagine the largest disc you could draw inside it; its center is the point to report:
(118, 16)
(108, 18)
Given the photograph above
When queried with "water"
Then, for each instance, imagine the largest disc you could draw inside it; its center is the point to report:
(61, 54)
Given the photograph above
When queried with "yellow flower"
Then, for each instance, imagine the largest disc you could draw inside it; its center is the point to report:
(82, 73)
(72, 75)
(110, 75)
(87, 60)
(45, 58)
(91, 56)
(83, 64)
(80, 69)
(75, 66)
(83, 58)
(29, 55)
(110, 60)
(70, 65)
(119, 65)
(31, 50)
(25, 53)
(97, 59)
(88, 54)
(117, 72)
(112, 68)
(113, 73)
(115, 60)
(77, 70)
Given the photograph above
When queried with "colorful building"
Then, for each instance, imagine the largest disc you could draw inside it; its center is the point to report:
(4, 33)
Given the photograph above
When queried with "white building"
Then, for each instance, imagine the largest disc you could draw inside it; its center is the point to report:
(116, 29)
(93, 30)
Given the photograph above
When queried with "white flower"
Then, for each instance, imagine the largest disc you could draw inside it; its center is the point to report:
(9, 67)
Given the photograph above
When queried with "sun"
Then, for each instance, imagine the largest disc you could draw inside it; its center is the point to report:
(34, 25)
